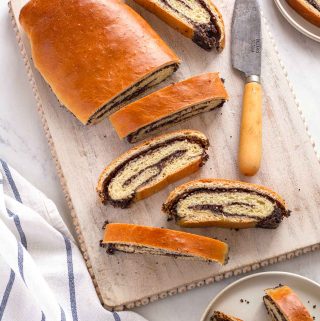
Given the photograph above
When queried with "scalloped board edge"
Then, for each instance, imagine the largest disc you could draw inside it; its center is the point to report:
(186, 287)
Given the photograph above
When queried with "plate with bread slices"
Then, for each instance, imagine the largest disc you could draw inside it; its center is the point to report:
(304, 15)
(267, 296)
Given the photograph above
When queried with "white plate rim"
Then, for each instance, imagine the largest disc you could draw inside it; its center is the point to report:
(256, 275)
(295, 24)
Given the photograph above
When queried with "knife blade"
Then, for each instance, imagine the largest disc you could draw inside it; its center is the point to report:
(246, 37)
(246, 57)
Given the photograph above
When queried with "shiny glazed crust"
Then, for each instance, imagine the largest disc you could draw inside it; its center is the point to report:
(91, 51)
(169, 240)
(150, 189)
(168, 101)
(186, 29)
(289, 303)
(306, 10)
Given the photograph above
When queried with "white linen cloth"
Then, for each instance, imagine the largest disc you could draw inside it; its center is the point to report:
(43, 275)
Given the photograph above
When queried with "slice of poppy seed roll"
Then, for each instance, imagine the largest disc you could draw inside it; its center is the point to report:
(220, 316)
(283, 304)
(199, 20)
(152, 165)
(225, 203)
(130, 238)
(308, 9)
(169, 106)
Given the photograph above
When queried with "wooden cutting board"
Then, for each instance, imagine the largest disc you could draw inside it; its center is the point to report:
(290, 166)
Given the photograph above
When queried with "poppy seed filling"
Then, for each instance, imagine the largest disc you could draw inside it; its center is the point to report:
(273, 309)
(173, 119)
(151, 166)
(219, 317)
(239, 203)
(207, 31)
(112, 248)
(314, 3)
(133, 91)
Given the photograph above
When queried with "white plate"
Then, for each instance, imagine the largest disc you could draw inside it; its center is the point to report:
(251, 288)
(298, 21)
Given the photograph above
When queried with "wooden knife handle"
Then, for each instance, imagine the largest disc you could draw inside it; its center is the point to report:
(250, 147)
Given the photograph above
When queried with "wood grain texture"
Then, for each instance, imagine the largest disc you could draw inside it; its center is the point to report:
(289, 166)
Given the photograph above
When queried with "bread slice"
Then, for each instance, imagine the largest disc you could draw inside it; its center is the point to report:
(283, 304)
(169, 106)
(199, 20)
(152, 165)
(225, 203)
(220, 316)
(96, 55)
(132, 238)
(309, 9)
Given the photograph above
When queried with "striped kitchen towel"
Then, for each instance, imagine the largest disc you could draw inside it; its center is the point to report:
(42, 273)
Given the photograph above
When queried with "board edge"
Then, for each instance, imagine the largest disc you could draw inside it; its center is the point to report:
(185, 287)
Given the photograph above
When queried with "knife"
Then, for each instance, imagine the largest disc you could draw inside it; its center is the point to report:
(246, 57)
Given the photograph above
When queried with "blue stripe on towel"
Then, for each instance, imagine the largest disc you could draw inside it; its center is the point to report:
(63, 315)
(20, 260)
(11, 181)
(19, 228)
(43, 317)
(116, 316)
(23, 241)
(72, 290)
(6, 294)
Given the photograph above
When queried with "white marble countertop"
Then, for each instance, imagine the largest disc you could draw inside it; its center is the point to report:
(24, 146)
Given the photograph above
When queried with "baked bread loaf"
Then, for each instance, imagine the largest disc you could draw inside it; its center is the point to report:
(308, 9)
(95, 54)
(219, 316)
(199, 20)
(225, 203)
(169, 106)
(152, 165)
(283, 304)
(131, 238)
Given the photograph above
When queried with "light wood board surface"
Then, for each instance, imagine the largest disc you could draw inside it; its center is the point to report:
(290, 166)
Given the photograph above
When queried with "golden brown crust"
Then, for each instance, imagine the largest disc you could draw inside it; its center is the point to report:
(170, 240)
(185, 28)
(220, 21)
(89, 51)
(148, 190)
(225, 183)
(222, 316)
(306, 10)
(289, 303)
(167, 101)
